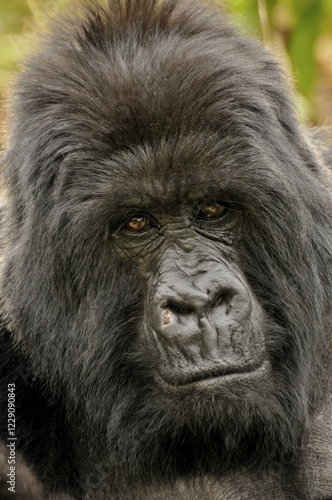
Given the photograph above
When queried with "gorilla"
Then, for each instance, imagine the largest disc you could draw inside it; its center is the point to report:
(166, 265)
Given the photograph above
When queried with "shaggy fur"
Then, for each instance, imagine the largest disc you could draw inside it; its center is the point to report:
(166, 98)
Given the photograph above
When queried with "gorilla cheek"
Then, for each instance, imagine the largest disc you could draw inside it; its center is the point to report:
(203, 323)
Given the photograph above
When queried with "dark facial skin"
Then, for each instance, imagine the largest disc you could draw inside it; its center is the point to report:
(202, 321)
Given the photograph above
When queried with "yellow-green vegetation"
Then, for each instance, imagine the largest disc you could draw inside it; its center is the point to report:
(300, 31)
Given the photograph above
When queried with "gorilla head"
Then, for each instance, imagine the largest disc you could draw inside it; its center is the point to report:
(167, 248)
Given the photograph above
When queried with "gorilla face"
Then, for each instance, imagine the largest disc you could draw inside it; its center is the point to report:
(202, 325)
(164, 234)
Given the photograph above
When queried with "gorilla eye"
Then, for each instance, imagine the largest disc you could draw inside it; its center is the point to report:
(138, 224)
(211, 211)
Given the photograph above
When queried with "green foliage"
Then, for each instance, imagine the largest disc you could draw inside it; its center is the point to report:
(301, 32)
(11, 17)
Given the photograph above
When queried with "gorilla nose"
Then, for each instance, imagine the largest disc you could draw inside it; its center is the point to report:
(189, 301)
(187, 305)
(185, 308)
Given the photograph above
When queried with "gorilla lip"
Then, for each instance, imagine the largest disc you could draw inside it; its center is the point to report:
(215, 373)
(217, 378)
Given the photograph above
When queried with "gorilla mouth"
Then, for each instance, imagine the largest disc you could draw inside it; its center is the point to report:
(218, 374)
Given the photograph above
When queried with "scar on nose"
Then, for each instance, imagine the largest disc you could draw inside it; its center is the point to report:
(166, 317)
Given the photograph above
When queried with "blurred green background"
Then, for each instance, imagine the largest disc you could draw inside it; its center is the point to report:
(299, 31)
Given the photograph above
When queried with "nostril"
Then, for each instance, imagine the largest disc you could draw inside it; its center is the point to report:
(223, 299)
(177, 308)
(218, 300)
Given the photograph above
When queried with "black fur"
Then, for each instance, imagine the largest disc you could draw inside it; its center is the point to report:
(166, 98)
